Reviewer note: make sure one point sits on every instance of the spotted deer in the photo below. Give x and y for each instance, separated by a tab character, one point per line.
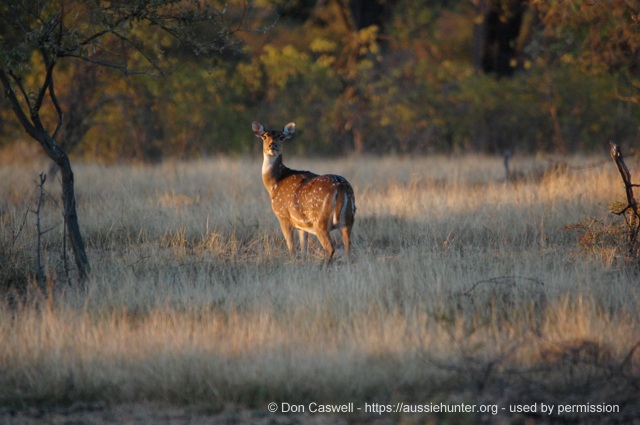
303	200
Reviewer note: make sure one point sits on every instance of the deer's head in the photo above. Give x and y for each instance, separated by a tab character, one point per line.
272	140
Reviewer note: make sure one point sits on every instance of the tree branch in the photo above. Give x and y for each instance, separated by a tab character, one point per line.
41	277
15	104
120	67
139	49
633	221
25	96
49	64
616	154
56	105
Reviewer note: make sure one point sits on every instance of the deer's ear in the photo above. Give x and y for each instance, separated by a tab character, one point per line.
289	129
258	129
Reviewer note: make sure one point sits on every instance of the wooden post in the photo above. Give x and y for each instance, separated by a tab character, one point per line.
507	156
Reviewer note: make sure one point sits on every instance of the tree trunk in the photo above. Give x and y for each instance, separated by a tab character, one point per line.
480	33
33	126
71	219
496	32
70	213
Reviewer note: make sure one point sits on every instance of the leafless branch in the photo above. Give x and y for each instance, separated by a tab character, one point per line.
41	283
94	37
139	49
18	82
49	64
15	103
633	220
120	67
627	359
243	18
56	105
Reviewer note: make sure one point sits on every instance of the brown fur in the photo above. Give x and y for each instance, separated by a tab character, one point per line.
305	201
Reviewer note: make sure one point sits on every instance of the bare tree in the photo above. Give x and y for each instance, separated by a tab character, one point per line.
37	36
631	211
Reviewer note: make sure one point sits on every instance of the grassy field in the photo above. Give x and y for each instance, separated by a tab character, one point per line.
463	289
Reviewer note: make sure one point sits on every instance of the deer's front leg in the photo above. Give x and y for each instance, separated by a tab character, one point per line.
302	236
287	231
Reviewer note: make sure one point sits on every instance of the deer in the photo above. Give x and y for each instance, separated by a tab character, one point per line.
302	200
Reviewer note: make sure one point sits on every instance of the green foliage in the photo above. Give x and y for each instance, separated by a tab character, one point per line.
410	87
492	114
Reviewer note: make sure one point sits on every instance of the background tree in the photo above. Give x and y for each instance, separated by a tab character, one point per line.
596	36
499	35
130	37
411	82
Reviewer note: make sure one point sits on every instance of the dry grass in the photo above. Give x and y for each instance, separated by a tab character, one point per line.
462	289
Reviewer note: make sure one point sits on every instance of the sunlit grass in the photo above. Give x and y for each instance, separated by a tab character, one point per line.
462	287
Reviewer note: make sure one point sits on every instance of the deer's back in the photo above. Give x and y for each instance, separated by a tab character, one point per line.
304	198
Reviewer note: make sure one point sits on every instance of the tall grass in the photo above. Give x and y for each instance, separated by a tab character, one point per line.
462	288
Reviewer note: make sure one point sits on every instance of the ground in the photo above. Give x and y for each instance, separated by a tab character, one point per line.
134	414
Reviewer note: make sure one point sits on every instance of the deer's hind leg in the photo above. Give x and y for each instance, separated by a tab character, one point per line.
327	244
346	240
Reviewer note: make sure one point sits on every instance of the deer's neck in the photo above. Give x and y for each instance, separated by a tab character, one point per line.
273	170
